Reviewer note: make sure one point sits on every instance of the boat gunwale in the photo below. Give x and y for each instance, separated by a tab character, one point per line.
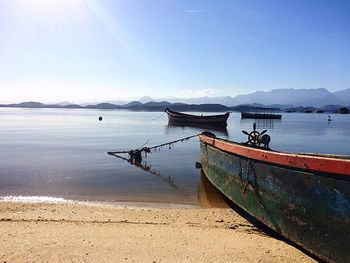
306	162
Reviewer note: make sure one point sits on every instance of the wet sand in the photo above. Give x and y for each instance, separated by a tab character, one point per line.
75	232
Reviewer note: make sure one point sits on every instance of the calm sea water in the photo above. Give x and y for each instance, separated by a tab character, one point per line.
62	152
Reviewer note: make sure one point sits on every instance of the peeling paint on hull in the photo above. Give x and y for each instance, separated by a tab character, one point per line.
308	208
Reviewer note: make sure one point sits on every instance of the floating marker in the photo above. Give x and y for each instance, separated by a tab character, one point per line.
100	118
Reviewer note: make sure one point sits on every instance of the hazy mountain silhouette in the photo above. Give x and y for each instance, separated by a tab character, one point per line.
283	97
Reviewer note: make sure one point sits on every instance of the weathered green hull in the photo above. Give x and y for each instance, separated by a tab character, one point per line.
310	209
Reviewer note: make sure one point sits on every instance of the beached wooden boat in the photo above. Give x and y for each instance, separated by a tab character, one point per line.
179	117
303	197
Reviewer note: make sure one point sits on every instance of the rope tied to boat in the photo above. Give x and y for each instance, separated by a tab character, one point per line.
136	154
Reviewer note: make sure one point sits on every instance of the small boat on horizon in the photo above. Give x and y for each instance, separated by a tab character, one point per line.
303	197
184	118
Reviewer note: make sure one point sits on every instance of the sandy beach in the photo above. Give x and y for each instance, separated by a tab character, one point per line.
75	232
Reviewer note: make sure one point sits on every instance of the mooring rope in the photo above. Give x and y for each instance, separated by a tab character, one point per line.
159	116
137	152
144	144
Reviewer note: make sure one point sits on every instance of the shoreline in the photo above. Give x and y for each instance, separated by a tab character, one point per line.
208	197
67	232
59	200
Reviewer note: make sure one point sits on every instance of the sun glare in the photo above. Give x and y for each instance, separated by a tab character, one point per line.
35	19
44	5
50	10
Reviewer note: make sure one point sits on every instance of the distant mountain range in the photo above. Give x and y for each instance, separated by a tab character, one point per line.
278	97
304	100
134	105
160	106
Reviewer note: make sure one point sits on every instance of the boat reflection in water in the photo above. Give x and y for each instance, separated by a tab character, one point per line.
262	123
219	129
208	195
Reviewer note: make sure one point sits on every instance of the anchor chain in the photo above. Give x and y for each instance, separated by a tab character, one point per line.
136	154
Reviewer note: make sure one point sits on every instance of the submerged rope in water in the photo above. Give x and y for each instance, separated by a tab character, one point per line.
148	168
135	158
137	152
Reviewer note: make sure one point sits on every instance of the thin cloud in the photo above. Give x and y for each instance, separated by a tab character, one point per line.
195	11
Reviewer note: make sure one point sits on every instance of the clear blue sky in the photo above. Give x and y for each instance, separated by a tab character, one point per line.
89	50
